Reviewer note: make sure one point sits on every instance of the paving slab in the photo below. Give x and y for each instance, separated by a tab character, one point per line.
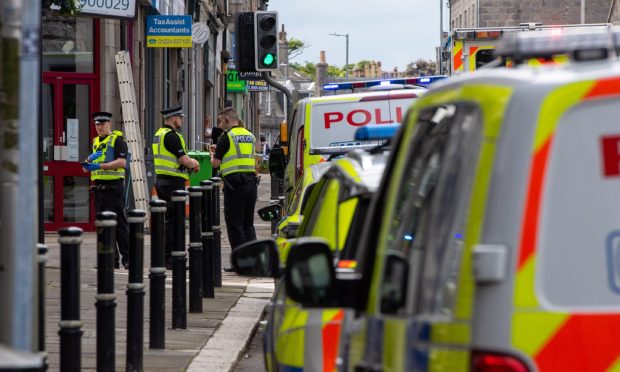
214	339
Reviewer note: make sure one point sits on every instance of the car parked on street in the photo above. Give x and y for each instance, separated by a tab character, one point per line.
492	243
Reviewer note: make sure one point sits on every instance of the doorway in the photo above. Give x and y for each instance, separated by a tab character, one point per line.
67	103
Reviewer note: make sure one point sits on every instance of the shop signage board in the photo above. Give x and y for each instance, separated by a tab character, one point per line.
257	75
166	31
257	85
108	8
233	83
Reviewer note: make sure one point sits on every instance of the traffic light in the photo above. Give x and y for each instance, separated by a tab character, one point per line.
266	40
244	37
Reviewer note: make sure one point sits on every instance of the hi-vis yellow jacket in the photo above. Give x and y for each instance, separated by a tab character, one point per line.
166	162
106	146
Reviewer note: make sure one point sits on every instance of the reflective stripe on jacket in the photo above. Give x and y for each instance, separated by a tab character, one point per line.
166	162
107	148
240	155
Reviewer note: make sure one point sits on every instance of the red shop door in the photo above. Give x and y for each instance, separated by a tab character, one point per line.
67	104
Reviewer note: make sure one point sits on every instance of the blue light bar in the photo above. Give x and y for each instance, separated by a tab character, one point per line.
376	132
421	80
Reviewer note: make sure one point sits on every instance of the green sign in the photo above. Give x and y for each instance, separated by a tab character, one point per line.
233	83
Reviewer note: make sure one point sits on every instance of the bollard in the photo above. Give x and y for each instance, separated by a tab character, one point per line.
157	298
70	325
217	234
207	240
105	222
195	250
42	251
135	291
179	293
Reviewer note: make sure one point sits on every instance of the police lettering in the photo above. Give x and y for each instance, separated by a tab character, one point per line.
243	139
610	146
361	117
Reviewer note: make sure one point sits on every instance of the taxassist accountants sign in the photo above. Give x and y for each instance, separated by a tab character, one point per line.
169	31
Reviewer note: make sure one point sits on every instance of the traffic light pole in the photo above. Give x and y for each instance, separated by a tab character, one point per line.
287	93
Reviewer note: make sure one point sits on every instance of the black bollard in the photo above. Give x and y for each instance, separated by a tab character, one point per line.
70	324
195	250
42	251
135	291
179	291
217	234
157	301
105	222
207	240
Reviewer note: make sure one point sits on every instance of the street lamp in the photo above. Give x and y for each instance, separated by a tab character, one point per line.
583	11
346	66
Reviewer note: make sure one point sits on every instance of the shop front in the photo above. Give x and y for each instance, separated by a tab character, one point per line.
70	93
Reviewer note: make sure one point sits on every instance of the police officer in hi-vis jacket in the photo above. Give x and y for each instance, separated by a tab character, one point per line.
171	166
106	165
234	154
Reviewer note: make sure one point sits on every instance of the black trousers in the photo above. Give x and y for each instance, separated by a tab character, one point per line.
109	196
239	202
164	186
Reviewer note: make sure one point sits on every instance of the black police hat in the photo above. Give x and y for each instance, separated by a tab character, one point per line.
170	112
101	116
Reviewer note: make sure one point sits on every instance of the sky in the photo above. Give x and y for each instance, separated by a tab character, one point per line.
394	32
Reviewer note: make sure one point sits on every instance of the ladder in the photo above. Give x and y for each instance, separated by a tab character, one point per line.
133	135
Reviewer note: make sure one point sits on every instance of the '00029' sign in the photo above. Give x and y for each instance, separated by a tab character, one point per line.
109	8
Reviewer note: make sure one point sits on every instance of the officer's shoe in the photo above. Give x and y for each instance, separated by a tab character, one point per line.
125	263
229	269
117	265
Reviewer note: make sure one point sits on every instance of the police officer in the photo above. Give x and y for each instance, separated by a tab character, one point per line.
106	165
171	166
234	154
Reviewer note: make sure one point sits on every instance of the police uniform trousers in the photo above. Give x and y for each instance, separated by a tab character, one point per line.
109	196
164	186
239	201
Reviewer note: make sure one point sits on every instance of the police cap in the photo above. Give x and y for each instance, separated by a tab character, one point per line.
175	111
101	116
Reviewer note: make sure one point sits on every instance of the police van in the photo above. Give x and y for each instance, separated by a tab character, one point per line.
324	127
494	241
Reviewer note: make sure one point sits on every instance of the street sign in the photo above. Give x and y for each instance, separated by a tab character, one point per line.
233	84
251	75
168	31
257	85
200	33
109	8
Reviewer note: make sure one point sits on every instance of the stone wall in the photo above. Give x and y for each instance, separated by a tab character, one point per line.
497	13
463	13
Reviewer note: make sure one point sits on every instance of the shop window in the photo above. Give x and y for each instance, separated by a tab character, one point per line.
68	44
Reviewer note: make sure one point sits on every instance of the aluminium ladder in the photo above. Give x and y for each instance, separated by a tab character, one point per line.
133	135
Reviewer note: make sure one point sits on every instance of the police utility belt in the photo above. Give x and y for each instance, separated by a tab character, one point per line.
240	178
106	185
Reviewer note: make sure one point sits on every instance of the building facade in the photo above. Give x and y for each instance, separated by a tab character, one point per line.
79	77
499	13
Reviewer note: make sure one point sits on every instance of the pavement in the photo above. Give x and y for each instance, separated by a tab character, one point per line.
214	340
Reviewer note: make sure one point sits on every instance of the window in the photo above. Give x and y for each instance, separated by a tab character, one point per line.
68	44
322	220
427	224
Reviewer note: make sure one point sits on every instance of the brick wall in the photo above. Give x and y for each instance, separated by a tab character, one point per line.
497	13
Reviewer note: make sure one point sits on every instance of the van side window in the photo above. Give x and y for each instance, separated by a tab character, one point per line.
434	183
322	221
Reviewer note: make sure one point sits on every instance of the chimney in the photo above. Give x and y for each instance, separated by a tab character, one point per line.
283	47
282	34
321	73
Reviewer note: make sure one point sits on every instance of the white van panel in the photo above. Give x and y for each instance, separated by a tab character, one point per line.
578	267
335	122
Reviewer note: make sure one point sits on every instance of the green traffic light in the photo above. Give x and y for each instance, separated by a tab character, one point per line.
269	59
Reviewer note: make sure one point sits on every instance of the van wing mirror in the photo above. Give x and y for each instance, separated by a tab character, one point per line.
272	212
310	277
258	258
394	285
277	162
